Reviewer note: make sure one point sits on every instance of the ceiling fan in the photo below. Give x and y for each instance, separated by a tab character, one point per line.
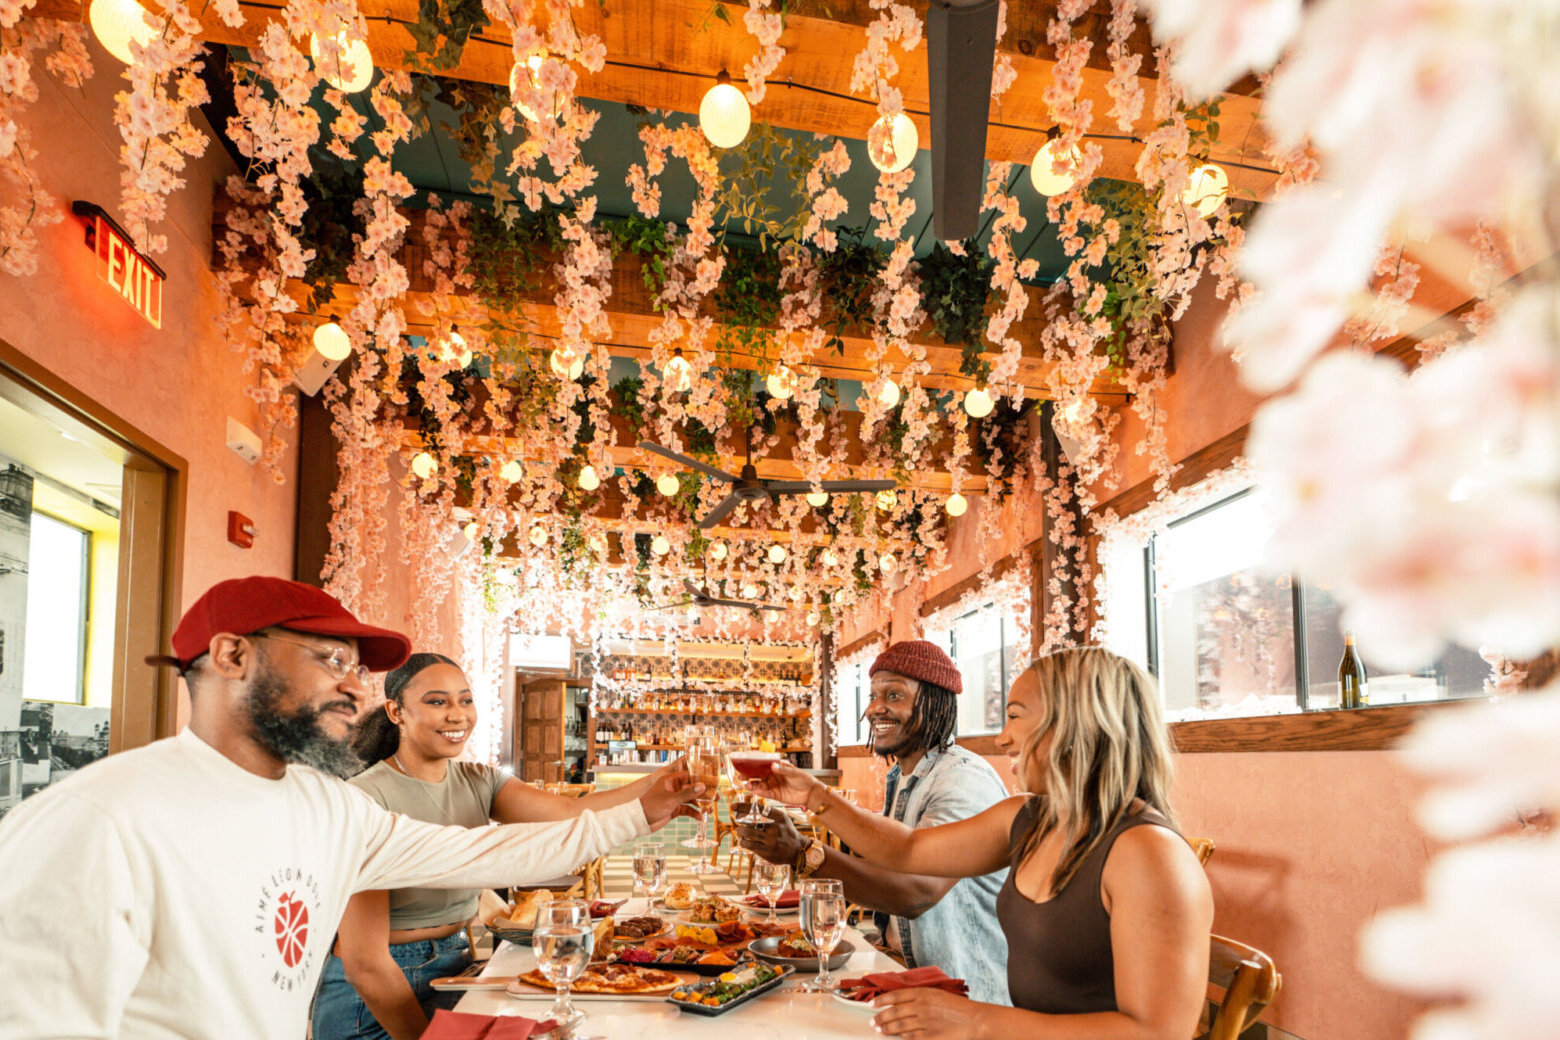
961	44
700	598
750	487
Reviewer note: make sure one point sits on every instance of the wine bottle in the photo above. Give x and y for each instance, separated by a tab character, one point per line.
1353	689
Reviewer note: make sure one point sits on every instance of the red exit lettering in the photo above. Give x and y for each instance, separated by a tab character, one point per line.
128	273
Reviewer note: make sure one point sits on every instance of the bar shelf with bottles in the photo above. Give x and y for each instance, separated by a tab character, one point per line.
652	733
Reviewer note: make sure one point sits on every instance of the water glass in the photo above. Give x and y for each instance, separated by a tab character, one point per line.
770	879
563	941
649	870
823	922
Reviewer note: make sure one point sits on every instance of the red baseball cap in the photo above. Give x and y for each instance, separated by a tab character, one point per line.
245	605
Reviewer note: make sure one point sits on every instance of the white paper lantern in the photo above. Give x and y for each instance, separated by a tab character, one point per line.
724	115
898	146
332	341
978	403
118	22
351	71
1054	170
1208	188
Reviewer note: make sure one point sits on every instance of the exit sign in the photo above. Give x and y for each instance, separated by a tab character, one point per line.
136	279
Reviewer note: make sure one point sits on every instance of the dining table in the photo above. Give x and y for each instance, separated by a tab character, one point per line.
785	1013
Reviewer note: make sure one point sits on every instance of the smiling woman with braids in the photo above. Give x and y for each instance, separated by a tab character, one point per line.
392	944
1105	908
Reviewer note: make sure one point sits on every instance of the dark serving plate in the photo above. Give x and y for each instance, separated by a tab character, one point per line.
765	948
510	932
757	991
665	963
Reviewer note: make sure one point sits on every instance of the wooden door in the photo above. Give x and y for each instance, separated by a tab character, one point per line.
541	730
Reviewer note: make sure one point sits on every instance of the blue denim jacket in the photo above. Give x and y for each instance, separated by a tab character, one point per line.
960	934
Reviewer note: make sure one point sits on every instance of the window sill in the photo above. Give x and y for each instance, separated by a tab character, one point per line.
1363	729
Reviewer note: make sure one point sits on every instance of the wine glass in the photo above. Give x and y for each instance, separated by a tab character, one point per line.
692	735
704	768
564	941
649	870
745	765
823	922
770	879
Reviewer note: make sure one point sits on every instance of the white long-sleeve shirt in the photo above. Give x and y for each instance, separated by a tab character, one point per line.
167	892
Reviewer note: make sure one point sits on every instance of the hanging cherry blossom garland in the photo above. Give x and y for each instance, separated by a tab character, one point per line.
766	26
34	207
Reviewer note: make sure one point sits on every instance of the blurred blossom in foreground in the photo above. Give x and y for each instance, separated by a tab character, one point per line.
1431	501
1488	931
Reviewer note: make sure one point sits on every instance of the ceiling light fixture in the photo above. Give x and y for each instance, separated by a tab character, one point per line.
677	373
424	465
897	144
668	484
724	115
718	551
887	563
817	499
777	554
887	500
118	23
781	383
538	536
660	546
353	67
956	505
978	403
332	341
565	363
1054	170
888	394
589	481
1208	187
512	470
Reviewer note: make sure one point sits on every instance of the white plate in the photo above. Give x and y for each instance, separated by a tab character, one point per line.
760	911
858	1006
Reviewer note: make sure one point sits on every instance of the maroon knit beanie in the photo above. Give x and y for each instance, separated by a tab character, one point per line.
919	659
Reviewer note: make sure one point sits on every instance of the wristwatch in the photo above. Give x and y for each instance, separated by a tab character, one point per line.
810	860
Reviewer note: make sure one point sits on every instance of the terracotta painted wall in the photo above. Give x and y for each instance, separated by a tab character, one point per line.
177	384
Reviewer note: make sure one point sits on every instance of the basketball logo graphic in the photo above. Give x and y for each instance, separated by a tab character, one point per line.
292	929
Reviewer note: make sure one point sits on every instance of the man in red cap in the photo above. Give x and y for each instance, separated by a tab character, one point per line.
927	920
200	879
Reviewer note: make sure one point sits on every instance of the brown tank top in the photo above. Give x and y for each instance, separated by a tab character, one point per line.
1059	952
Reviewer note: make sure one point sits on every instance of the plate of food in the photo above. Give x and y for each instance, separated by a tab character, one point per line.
680	896
786	902
731	989
603	982
635	929
699	958
711	911
795	950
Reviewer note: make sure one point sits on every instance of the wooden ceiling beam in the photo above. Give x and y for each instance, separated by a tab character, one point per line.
664	54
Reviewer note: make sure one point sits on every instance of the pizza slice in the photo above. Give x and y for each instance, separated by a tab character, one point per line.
619	980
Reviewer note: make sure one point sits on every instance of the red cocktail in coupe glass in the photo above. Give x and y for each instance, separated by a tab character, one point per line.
752	765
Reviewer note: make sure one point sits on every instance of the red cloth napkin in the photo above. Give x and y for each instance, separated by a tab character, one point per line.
458	1025
790	897
930	977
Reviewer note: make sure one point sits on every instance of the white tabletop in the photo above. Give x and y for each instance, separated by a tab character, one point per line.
783	1014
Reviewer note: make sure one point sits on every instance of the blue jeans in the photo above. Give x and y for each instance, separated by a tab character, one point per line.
340	1014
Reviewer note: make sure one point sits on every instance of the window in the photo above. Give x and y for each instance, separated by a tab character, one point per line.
59	569
852	690
1193	603
981	643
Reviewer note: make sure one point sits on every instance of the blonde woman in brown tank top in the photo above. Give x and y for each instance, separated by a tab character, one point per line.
1106	910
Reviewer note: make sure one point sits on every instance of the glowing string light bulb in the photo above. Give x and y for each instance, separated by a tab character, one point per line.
589	481
1054	170
660	546
350	70
781	383
724	115
512	471
888	395
887	563
817	499
718	551
777	554
332	341
118	23
956	504
424	465
566	364
898	143
538	536
677	373
668	484
1208	187
978	403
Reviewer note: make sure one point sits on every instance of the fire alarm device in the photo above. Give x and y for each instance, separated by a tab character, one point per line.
241	530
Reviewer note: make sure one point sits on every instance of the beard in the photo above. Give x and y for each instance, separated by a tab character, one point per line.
901	741
296	737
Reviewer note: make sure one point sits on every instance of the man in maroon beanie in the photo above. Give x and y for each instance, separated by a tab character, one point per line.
926	920
203	876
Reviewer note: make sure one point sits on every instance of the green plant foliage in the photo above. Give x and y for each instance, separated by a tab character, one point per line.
748	302
647	240
440	34
955	291
1130	293
764	184
477	131
625	403
847	279
329	225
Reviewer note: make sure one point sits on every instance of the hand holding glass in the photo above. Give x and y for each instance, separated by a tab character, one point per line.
564	941
751	765
823	922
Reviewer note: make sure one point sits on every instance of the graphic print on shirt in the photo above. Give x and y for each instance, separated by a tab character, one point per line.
285	917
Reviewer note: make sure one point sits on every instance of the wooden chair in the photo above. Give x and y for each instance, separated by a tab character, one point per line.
1204	847
1249	982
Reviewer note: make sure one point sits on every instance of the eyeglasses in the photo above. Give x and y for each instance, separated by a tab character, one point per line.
335	660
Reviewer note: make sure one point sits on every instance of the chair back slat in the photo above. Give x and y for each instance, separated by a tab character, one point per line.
1249	981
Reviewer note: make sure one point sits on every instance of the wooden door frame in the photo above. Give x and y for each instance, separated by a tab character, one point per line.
144	706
